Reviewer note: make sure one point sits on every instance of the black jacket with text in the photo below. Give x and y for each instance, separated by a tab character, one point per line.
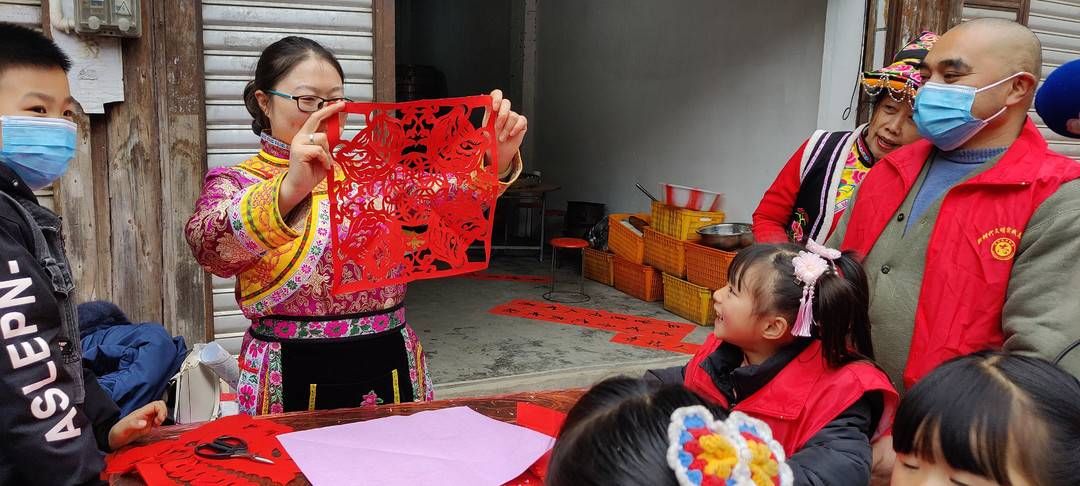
54	417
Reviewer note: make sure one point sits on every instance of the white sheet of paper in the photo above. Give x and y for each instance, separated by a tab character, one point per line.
97	69
447	447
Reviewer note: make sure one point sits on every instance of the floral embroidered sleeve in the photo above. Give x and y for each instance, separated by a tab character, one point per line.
516	166
236	221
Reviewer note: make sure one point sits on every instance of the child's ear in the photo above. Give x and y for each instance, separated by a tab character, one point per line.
776	327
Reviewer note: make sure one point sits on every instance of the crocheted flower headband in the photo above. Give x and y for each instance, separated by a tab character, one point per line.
739	451
809	267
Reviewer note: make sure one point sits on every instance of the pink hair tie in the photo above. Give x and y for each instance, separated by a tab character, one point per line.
809	267
823	251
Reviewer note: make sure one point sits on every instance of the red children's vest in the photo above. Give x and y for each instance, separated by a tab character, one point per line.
804	397
972	245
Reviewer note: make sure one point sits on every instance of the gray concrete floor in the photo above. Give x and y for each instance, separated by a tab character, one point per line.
473	352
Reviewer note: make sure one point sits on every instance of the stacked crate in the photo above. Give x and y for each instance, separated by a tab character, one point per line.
599	266
631	275
670	247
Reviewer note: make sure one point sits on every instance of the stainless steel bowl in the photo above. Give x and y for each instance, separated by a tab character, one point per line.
727	236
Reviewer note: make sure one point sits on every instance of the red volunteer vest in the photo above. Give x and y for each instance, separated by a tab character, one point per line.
972	245
804	397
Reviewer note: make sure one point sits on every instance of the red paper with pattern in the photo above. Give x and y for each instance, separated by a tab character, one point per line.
173	462
642	332
411	192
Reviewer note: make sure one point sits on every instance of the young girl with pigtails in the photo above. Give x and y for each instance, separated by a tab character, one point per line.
791	347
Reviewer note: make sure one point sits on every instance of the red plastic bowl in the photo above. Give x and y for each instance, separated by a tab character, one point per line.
691	198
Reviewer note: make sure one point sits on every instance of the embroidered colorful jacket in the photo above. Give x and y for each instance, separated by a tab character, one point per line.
804	397
815	187
281	261
283	270
970	256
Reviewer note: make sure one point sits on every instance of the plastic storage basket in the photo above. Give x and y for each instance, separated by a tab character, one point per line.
599	266
639	281
682	223
706	266
689	301
665	253
626	242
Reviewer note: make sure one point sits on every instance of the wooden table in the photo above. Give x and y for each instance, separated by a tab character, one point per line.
502	408
538	194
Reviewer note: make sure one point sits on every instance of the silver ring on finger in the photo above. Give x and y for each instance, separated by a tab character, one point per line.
311	138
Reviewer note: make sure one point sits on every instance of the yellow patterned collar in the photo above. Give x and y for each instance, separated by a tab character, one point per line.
272	160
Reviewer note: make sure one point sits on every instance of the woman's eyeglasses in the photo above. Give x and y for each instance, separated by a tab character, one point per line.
308	103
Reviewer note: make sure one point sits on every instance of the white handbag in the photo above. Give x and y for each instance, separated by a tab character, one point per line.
197	391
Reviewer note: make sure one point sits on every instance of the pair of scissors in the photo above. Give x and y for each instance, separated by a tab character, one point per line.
226	447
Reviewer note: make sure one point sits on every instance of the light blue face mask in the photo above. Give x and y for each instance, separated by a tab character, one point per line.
943	113
37	149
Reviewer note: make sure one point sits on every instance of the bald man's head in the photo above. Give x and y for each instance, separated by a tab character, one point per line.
1002	60
1016	47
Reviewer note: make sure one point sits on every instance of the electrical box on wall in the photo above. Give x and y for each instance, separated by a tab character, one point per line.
119	18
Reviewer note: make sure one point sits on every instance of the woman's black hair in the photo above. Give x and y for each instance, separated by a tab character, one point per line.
988	411
841	297
275	62
617	435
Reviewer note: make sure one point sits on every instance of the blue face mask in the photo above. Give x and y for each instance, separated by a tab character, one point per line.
37	149
943	113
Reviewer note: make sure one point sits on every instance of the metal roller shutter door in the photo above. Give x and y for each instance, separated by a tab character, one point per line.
1057	23
234	33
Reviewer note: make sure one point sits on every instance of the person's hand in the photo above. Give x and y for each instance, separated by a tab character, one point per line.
137	424
883	462
1073	125
510	128
309	159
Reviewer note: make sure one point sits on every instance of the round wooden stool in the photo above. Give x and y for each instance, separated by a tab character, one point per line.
566	296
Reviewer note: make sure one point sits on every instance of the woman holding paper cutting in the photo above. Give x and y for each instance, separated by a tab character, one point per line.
266	221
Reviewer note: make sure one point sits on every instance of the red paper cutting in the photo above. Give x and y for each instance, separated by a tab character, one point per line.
412	192
643	332
173	462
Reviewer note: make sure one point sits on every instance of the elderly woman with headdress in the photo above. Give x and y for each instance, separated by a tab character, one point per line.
816	185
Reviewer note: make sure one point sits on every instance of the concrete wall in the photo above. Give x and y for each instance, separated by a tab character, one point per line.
714	94
841	63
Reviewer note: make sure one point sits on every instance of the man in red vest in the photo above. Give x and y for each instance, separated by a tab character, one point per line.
971	236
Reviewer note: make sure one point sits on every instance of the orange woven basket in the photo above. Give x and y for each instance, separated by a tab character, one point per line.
706	266
638	281
665	253
598	266
682	223
689	301
626	242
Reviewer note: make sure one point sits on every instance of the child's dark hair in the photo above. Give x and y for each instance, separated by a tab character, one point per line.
275	62
841	297
617	435
26	47
991	410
